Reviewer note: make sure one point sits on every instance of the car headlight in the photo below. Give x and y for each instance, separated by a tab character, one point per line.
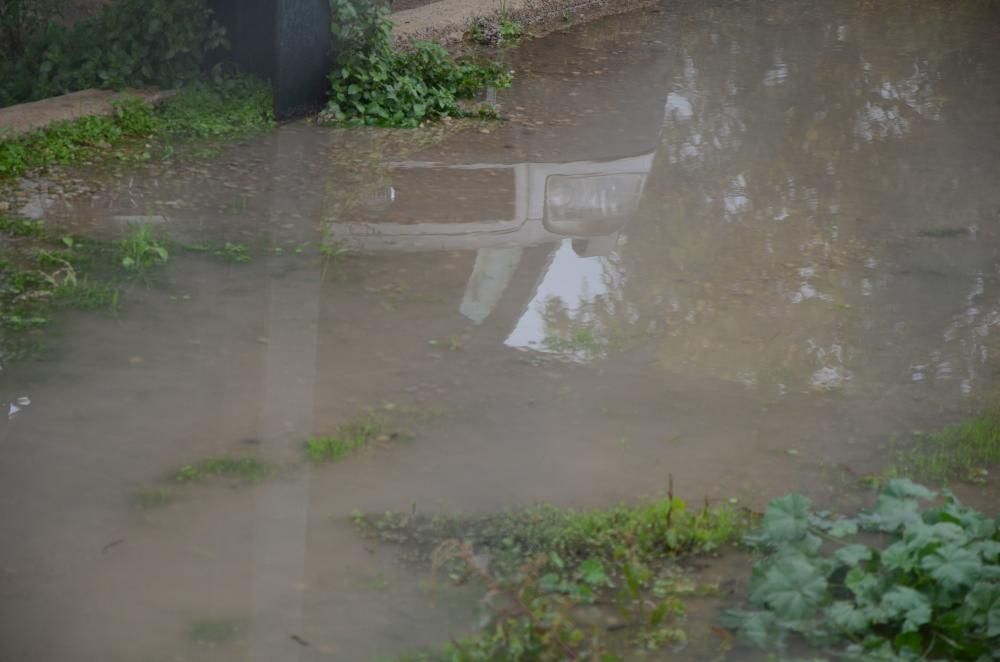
591	205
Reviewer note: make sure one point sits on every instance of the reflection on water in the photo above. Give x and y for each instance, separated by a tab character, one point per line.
748	227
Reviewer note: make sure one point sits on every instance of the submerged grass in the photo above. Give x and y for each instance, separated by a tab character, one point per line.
345	441
214	631
246	468
151	498
961	452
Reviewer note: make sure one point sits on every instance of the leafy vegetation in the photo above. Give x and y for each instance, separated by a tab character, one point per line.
543	568
141	250
498	30
963	452
246	468
344	441
932	592
23	20
129	43
230	106
375	83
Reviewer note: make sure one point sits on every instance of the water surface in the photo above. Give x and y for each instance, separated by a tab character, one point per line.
742	244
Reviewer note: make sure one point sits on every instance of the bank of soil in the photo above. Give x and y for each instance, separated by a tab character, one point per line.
447	21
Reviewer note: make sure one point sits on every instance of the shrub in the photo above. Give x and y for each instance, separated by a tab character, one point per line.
374	83
130	43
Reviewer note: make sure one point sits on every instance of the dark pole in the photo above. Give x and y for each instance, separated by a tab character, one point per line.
284	41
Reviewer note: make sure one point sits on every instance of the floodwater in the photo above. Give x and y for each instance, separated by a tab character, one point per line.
741	244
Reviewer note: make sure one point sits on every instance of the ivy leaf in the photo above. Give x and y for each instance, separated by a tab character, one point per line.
893	512
787	518
953	567
867	588
592	572
989	550
904	488
982	607
792	587
898	556
851	555
760	628
847	617
846	527
903	602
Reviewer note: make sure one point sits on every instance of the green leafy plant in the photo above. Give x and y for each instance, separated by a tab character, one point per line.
21	21
236	253
228	106
129	43
932	592
141	250
374	83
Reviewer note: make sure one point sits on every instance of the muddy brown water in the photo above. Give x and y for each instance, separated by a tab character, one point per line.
742	244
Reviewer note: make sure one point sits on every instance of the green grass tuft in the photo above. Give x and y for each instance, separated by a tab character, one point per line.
961	451
248	469
227	108
344	441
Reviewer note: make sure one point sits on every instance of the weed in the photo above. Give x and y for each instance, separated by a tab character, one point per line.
152	498
544	564
930	593
86	295
140	250
236	253
374	83
344	441
214	631
496	31
231	106
19	227
248	469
